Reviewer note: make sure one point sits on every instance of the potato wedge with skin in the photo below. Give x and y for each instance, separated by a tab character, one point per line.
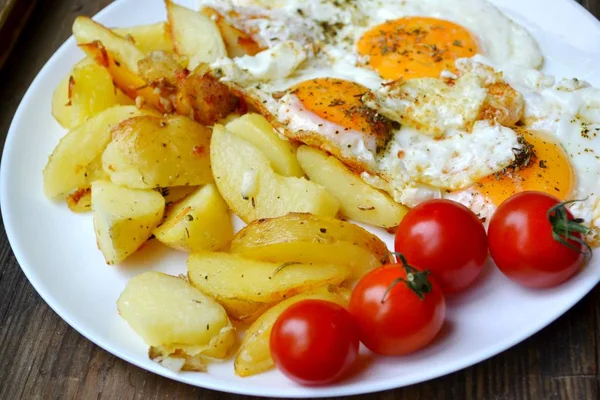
254	354
246	288
309	238
199	222
148	38
182	325
253	190
194	35
150	152
358	200
74	162
257	130
124	218
237	43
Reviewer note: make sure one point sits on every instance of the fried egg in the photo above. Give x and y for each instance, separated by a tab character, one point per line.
561	124
324	55
426	99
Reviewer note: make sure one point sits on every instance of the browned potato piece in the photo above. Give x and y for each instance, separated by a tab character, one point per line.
203	98
80	201
197	95
237	42
194	35
310	238
254	354
246	288
87	30
120	56
150	152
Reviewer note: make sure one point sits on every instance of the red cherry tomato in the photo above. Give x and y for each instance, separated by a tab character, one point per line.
522	244
314	342
445	238
399	320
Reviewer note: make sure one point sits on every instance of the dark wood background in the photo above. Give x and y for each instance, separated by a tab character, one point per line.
41	357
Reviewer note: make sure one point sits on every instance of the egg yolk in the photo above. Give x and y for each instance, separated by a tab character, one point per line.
416	47
548	170
339	101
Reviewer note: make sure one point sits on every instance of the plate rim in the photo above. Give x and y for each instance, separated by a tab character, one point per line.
382	385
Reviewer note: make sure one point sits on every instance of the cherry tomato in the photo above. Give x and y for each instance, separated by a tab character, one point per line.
522	243
314	342
445	238
397	311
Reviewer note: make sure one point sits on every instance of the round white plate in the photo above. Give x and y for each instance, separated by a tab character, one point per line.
57	249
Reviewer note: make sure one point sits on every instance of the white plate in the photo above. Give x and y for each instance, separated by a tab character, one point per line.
57	249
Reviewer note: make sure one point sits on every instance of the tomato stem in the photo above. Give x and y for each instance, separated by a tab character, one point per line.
415	280
563	229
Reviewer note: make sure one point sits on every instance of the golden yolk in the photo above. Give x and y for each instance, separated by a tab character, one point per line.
549	171
416	47
339	101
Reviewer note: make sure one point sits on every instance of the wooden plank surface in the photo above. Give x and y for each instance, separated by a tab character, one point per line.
41	357
14	14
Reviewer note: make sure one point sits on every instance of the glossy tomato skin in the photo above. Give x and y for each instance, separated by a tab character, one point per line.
522	246
403	323
314	342
445	238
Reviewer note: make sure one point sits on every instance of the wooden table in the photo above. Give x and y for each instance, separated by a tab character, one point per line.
42	357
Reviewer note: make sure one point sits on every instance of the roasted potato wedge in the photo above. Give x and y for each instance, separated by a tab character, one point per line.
253	190
148	38
194	35
246	288
124	218
150	152
200	222
92	91
254	354
182	325
257	130
358	200
74	164
84	92
237	43
61	99
120	57
309	238
87	30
